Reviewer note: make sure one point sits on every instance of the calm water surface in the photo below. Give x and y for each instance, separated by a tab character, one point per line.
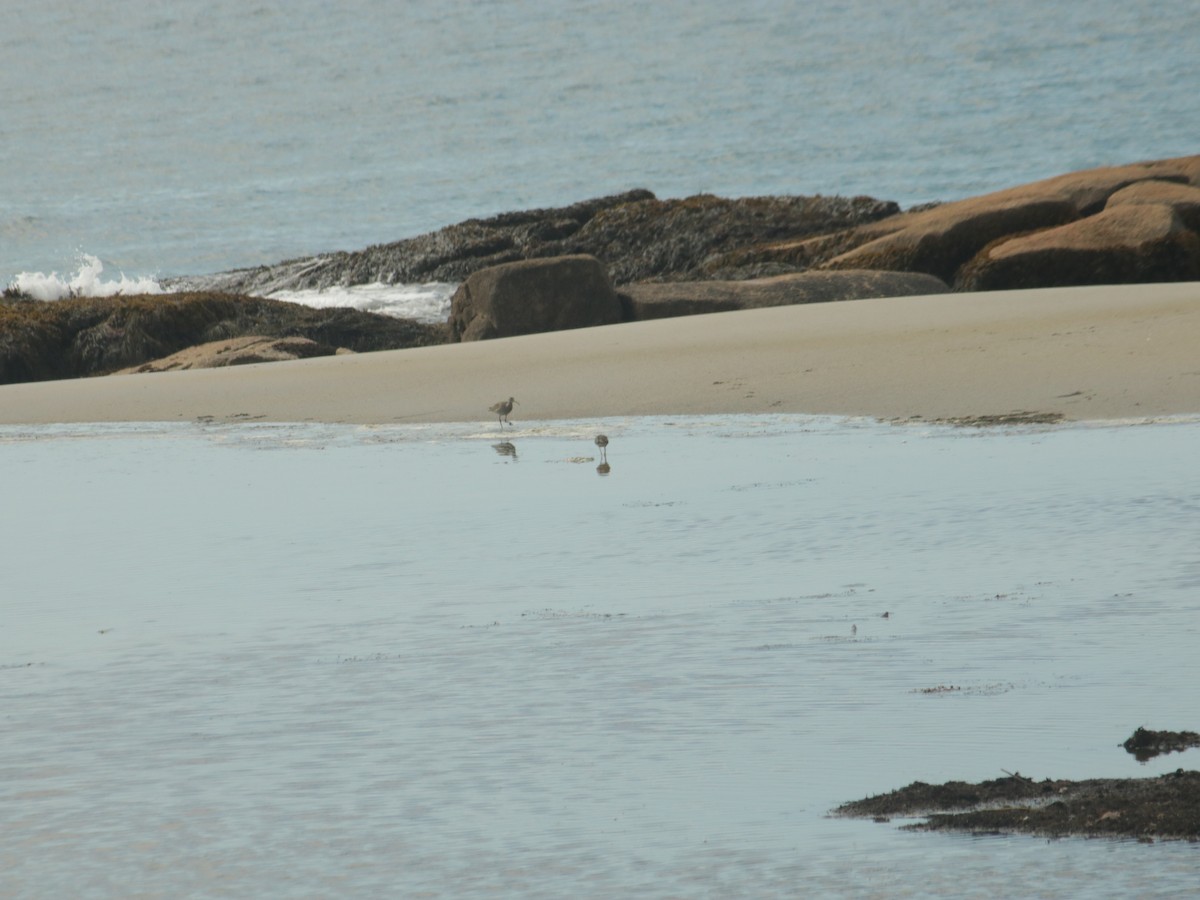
172	138
330	661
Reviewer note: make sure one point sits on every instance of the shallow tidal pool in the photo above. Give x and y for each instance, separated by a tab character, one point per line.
303	660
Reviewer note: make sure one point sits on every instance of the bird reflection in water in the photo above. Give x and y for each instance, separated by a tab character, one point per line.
602	442
506	448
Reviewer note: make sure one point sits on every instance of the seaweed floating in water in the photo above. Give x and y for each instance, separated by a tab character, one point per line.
1146	744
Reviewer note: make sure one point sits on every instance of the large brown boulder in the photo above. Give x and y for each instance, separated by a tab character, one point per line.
1182	198
944	238
1089	189
652	300
938	241
1126	244
532	296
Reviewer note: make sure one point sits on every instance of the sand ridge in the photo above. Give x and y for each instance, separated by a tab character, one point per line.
1110	352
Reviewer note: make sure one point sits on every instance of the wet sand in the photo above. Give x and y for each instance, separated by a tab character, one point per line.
1111	352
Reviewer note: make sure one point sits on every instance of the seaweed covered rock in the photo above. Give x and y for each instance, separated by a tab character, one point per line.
1145	743
448	255
690	239
90	336
636	235
1162	808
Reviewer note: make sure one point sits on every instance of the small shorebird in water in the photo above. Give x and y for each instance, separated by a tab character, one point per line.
602	443
502	409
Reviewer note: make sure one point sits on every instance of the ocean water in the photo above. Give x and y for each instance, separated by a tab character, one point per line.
303	660
325	661
171	138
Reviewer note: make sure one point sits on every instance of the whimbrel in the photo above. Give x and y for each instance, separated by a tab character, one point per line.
602	443
502	409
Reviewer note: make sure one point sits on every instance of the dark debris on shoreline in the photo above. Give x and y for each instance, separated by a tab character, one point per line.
1166	807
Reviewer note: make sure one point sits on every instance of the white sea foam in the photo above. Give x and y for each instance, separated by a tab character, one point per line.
86	282
423	302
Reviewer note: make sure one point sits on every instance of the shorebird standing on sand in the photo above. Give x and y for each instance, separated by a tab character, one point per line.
602	443
502	409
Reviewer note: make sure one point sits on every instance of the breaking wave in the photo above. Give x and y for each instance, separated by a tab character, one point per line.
423	302
88	281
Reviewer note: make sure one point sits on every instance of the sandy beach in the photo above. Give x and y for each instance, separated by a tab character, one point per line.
1081	353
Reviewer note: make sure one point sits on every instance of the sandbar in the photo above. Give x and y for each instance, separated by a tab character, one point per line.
1079	353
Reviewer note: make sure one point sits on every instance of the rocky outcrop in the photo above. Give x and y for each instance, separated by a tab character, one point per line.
532	296
636	235
90	336
945	239
239	351
939	241
641	238
549	269
650	300
449	255
1120	224
1130	243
